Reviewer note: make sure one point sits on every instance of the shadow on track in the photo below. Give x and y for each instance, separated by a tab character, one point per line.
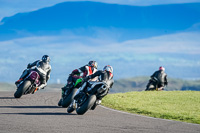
42	107
7	98
44	113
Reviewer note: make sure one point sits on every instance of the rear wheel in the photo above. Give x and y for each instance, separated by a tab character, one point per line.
68	99
22	88
86	105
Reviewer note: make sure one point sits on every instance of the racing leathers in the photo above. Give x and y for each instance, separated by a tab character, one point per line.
43	69
78	73
161	76
103	76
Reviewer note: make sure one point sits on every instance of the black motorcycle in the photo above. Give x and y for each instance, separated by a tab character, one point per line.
153	85
69	95
88	96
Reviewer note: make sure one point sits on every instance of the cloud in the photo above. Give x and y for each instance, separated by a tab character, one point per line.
185	43
68	52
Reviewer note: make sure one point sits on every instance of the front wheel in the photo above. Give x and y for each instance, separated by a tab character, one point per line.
69	98
150	88
70	109
60	102
86	105
22	88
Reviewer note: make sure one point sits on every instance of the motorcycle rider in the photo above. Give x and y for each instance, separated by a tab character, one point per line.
161	76
43	68
105	76
81	72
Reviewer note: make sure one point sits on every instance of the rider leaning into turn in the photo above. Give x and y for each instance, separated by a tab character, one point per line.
43	68
82	72
161	76
105	76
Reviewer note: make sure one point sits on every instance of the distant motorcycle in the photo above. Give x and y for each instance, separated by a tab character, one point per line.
29	85
88	97
153	85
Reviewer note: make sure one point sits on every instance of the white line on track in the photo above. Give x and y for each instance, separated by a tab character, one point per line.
143	115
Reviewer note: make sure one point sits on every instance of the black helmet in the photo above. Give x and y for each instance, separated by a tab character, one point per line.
45	58
93	64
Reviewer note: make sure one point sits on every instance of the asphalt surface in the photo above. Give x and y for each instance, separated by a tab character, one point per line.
39	113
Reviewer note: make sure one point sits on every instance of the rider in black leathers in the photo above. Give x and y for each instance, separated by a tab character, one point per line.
161	76
105	76
43	68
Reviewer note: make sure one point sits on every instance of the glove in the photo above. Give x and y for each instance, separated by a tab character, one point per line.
86	79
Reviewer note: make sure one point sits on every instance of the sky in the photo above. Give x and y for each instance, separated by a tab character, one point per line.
12	7
143	56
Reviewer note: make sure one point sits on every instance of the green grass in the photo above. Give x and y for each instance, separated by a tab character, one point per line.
173	105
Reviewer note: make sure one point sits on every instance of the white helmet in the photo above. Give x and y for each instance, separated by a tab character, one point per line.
161	68
108	68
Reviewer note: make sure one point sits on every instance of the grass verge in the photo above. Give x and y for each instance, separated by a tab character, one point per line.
174	105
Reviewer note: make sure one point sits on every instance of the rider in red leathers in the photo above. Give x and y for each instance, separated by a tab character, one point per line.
82	72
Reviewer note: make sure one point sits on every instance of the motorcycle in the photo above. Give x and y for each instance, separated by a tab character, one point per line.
69	95
153	85
88	96
28	85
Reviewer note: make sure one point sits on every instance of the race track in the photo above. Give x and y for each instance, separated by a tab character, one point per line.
40	113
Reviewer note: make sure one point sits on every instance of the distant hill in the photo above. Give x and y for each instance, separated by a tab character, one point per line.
126	85
131	21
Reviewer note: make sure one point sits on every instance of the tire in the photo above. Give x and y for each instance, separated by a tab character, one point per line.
150	87
60	102
68	99
70	109
87	105
22	88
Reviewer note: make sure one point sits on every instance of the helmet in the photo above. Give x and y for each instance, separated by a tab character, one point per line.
108	68
45	58
161	68
93	64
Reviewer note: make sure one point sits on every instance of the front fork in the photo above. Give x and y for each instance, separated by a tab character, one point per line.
73	104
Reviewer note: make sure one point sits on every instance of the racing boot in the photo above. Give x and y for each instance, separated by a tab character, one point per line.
98	102
63	91
18	81
65	88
